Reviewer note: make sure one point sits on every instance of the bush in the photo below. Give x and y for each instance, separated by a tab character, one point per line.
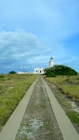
12	72
1	76
60	70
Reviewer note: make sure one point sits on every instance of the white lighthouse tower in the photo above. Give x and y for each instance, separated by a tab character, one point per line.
51	62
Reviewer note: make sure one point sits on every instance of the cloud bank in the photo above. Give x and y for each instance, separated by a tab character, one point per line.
20	49
33	31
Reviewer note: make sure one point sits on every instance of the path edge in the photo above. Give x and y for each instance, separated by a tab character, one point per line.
67	129
10	129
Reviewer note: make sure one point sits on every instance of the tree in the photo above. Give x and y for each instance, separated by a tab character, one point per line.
12	72
59	70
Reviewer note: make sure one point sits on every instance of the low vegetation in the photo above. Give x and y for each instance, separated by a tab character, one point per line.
74	117
12	89
12	72
66	78
59	70
68	84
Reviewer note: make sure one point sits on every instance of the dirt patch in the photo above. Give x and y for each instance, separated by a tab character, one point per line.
69	105
39	122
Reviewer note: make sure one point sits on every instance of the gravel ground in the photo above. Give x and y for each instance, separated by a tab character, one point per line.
39	122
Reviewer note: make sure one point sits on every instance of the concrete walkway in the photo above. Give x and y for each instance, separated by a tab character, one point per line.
11	128
67	129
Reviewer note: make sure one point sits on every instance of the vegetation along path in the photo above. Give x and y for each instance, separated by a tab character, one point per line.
44	119
39	122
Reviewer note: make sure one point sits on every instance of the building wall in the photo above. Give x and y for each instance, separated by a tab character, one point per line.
39	70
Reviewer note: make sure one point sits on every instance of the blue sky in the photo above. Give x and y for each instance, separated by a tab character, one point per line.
31	31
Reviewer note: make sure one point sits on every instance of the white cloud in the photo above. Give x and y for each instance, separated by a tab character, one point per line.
49	25
22	47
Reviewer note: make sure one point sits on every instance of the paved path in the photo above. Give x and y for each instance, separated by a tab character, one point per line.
11	128
68	131
39	122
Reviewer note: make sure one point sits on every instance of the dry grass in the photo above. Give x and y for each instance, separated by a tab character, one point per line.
68	84
12	89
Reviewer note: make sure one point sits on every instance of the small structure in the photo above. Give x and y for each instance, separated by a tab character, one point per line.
20	72
39	71
51	62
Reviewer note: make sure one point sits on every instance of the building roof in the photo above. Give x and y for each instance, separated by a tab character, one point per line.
51	58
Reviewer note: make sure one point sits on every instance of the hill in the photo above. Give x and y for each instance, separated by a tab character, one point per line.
59	70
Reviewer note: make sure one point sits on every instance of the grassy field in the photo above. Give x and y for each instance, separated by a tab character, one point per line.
12	89
68	84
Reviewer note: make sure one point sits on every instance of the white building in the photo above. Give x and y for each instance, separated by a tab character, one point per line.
20	72
41	70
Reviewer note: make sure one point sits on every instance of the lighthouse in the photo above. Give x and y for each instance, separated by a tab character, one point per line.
51	62
41	70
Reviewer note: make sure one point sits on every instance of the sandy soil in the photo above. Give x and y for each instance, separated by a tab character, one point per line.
39	122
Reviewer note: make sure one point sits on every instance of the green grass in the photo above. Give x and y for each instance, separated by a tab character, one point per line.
73	116
63	104
68	84
12	90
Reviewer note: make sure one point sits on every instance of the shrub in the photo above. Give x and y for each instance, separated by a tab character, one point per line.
60	70
12	72
1	76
